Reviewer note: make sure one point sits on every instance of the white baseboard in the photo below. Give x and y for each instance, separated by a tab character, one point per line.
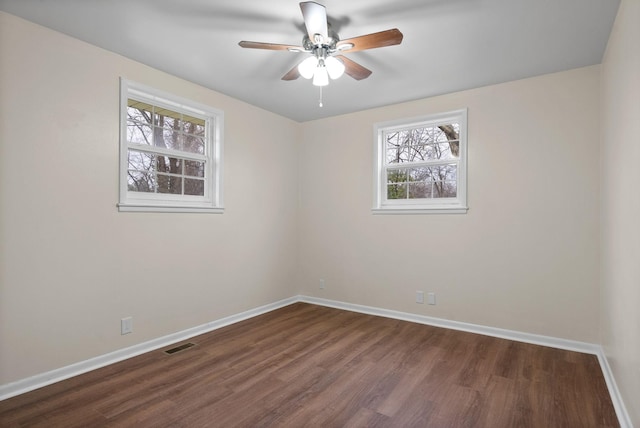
614	392
44	379
29	384
536	339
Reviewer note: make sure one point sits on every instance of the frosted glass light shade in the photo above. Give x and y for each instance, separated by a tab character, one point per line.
307	67
335	67
320	76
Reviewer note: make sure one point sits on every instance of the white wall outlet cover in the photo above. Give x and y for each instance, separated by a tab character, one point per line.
126	325
432	298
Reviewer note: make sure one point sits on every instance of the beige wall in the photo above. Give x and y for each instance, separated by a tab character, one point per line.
621	205
71	265
525	257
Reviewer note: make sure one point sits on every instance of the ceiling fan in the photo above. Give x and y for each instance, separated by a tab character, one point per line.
325	48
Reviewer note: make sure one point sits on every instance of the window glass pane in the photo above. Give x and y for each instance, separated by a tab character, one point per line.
166	164
397	150
193	144
140	181
139	111
397	155
170	139
194	168
444	172
138	133
141	161
420	152
193	187
419	190
171	124
448	138
419	174
169	184
396	175
396	191
193	126
444	189
167	118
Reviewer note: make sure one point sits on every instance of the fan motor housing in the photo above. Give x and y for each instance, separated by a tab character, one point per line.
329	43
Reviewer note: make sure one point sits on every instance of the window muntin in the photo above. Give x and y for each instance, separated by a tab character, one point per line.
421	164
170	153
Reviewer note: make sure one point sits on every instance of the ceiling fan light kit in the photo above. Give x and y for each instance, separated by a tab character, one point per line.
320	76
335	67
324	44
320	68
307	67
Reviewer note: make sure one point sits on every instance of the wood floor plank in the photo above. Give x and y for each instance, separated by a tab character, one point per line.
367	418
409	385
306	365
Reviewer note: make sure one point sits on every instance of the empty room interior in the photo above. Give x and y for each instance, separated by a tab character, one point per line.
436	224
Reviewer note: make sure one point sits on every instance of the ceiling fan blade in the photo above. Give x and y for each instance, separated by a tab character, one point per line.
354	69
370	41
315	19
292	74
270	46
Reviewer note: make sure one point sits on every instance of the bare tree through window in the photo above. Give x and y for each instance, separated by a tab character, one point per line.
161	136
422	162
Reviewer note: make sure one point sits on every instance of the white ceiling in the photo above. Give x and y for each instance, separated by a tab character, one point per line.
449	45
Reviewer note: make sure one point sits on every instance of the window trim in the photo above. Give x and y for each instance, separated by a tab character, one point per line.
212	202
381	205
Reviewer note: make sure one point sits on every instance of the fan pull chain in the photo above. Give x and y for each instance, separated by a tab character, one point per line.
320	102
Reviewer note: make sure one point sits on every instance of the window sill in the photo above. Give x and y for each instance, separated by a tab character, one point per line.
168	209
420	210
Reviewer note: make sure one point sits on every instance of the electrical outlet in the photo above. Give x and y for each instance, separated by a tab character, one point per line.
322	284
432	298
126	325
419	296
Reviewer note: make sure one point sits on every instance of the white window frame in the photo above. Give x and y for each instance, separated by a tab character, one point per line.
212	201
382	205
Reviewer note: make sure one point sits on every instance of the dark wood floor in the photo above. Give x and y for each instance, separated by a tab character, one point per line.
308	366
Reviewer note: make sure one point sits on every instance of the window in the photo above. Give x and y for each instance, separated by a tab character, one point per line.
421	165
170	153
